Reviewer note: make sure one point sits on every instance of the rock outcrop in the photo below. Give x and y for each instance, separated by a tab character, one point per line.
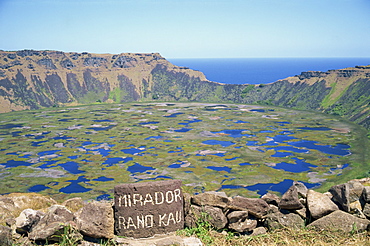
32	79
96	220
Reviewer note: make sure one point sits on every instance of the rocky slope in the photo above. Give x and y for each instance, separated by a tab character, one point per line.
32	79
27	218
344	92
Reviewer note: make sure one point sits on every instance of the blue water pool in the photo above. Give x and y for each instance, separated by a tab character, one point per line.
245	164
282	123
175	165
104	197
38	188
282	154
258	110
298	167
13	163
48	152
71	167
10	126
65	120
106	120
137	168
218	142
75	187
184	129
103	179
154	137
226	169
132	151
234	133
12	153
148	122
339	149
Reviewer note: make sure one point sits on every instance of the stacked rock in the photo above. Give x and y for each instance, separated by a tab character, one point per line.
344	207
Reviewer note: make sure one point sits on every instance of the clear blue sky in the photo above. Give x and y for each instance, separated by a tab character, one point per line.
190	28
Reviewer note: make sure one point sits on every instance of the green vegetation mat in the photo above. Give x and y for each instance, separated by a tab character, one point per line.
240	149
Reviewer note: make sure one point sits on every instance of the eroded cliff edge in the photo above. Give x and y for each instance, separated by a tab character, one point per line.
32	79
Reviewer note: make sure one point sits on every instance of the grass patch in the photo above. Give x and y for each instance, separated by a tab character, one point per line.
286	236
202	230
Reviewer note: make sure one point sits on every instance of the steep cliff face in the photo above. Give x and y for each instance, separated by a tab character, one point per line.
344	92
32	79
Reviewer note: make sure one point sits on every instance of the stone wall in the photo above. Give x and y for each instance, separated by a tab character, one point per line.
344	207
30	218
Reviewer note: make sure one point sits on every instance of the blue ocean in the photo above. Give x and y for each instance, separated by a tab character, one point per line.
263	70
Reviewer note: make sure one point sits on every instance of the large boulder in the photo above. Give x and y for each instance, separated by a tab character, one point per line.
345	194
255	206
278	220
319	204
355	190
339	220
52	225
237	216
11	205
271	198
96	220
290	199
213	215
238	221
301	189
366	194
215	199
244	226
366	210
27	219
341	196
